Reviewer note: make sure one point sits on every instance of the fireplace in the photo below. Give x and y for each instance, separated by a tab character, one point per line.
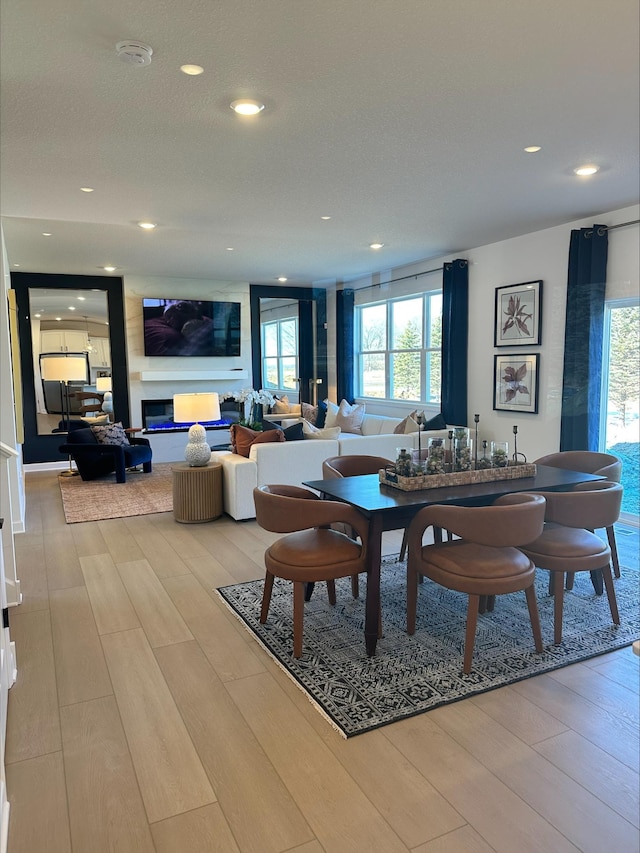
157	416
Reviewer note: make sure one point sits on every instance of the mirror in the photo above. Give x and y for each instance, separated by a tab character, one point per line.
64	324
279	324
48	294
309	307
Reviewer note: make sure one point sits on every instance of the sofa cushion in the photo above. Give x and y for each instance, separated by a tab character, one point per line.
310	413
281	406
294	432
436	422
110	434
310	431
243	438
349	418
332	414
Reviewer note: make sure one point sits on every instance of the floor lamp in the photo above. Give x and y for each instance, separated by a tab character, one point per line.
65	369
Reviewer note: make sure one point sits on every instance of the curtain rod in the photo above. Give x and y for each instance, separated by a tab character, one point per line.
402	278
604	228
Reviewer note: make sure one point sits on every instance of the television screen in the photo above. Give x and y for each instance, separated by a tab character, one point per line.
189	327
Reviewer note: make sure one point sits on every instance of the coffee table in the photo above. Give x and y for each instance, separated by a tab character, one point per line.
387	508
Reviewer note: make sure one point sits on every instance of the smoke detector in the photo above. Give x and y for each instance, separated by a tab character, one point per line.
134	52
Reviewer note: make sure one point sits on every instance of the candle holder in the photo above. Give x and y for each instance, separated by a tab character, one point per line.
476	420
516	456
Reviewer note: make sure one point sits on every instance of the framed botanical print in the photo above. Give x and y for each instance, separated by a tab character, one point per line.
518	315
515	382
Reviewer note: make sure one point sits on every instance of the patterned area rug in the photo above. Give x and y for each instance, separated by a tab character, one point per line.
96	500
410	675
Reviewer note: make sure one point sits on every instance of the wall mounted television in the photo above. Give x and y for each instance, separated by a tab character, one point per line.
181	327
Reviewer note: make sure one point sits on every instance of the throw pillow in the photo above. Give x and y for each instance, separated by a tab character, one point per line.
407	425
281	406
322	414
243	438
332	414
309	413
111	434
349	418
291	433
310	431
437	422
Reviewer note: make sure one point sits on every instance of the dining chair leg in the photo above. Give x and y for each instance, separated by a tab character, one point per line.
403	547
298	617
412	597
355	586
611	537
470	633
534	616
331	591
558	602
266	597
611	594
570	579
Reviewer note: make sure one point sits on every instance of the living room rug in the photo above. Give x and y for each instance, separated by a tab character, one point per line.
411	675
96	500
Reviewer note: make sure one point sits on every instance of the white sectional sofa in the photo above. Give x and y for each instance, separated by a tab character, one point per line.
292	462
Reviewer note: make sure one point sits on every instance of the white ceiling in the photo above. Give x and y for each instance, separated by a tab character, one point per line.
405	120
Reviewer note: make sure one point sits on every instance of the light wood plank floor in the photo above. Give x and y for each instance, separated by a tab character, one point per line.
145	718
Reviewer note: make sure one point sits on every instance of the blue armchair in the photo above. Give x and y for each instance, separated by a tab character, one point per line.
95	460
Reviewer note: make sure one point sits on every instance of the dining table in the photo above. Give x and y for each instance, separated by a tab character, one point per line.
390	508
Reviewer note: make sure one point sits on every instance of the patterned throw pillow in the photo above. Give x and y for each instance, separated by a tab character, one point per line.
349	418
243	438
407	425
309	413
111	434
310	431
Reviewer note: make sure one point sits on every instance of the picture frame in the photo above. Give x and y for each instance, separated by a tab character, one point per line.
518	315
515	382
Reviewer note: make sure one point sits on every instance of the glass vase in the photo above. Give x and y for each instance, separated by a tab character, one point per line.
435	463
499	454
462	449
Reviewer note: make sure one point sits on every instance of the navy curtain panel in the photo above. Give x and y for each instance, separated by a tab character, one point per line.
583	340
345	301
306	361
455	329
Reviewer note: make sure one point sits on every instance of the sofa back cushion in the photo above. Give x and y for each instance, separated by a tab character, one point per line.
243	438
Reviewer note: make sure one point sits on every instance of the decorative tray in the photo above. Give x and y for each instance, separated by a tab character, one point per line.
458	478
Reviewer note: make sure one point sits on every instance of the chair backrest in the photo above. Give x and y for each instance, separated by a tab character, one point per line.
586	461
511	521
286	509
587	506
353	465
81	436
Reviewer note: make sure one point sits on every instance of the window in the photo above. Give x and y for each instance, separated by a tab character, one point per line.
619	425
280	354
398	348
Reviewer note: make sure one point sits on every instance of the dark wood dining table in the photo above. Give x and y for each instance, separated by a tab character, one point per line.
388	508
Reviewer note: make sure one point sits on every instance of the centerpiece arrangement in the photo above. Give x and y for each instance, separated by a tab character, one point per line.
452	462
253	401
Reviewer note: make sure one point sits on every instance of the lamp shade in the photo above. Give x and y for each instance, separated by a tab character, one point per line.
194	408
103	383
72	368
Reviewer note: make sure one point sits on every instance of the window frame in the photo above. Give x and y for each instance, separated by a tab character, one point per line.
388	352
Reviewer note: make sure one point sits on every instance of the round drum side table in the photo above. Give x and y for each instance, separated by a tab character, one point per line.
197	492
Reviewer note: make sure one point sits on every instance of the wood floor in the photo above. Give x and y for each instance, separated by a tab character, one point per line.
145	718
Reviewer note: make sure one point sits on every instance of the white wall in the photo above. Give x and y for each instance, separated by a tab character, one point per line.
541	255
170	447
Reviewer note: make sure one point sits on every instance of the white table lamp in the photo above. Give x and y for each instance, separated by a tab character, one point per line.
191	409
103	385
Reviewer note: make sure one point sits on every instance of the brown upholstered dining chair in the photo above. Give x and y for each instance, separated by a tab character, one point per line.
589	462
567	543
312	551
353	466
485	561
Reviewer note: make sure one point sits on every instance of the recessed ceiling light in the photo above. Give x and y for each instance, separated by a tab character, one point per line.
36	315
86	189
531	149
325	218
247	107
16	265
229	248
109	269
58	319
282	278
583	171
376	245
72	307
192	70
82	298
148	226
46	233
